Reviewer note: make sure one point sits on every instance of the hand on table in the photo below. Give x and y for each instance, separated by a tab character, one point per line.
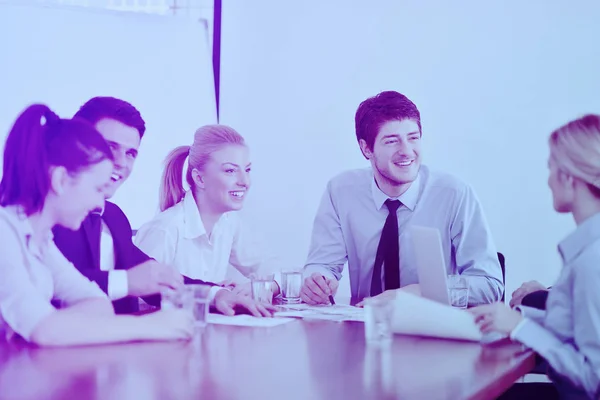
242	289
150	277
317	289
227	283
496	317
226	302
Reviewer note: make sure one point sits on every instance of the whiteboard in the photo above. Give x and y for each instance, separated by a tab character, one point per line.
63	56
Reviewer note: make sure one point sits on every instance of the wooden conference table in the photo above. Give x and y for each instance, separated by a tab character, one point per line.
302	359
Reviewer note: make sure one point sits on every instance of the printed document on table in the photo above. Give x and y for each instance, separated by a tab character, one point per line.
337	312
415	315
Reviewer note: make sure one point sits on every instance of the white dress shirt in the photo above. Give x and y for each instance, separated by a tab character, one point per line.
351	216
32	275
117	279
567	333
177	237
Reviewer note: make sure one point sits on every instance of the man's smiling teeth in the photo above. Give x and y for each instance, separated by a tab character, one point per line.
237	194
115	177
404	163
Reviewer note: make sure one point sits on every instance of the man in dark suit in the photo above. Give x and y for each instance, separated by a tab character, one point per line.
102	249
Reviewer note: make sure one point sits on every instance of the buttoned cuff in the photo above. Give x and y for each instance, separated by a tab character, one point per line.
532	313
515	332
117	284
534	336
308	271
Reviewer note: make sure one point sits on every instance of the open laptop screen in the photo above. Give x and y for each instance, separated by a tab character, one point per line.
431	267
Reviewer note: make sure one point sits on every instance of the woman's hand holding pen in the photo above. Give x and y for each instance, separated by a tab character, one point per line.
317	289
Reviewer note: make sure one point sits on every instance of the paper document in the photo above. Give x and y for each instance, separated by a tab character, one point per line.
337	312
416	315
246	320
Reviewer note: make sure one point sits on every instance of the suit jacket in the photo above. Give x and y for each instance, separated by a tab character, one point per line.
78	247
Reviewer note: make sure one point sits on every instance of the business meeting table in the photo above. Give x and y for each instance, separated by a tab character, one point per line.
302	359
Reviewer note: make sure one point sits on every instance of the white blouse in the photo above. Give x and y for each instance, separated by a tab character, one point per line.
33	275
177	237
567	333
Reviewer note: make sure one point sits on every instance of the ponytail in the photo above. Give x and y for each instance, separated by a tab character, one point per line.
25	169
38	140
171	185
207	139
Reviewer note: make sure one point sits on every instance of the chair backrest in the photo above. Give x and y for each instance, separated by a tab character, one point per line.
502	261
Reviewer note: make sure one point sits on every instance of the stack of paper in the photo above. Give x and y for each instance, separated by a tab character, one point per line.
415	315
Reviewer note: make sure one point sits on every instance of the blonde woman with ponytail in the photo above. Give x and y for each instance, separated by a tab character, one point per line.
567	333
198	231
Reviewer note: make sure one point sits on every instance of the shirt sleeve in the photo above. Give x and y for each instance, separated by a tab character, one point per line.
158	243
118	286
22	305
70	286
327	252
576	360
476	256
531	313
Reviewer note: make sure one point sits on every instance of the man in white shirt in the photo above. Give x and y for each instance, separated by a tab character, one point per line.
365	214
102	249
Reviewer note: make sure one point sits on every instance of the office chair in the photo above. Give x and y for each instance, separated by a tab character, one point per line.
502	261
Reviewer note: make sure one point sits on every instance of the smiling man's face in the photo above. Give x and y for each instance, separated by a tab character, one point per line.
395	156
124	142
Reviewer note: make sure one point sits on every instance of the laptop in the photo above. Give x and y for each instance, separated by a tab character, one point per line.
432	272
431	267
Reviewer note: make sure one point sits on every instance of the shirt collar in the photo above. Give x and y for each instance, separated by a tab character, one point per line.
586	233
99	211
408	198
193	226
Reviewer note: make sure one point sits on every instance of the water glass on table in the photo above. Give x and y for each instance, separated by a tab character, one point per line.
458	291
291	283
201	303
262	287
193	298
181	298
378	320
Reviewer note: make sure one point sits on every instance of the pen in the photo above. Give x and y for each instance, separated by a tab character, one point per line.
330	296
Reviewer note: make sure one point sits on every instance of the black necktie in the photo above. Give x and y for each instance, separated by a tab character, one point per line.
94	229
388	252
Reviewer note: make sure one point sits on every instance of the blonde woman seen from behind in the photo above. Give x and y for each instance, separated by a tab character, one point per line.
567	333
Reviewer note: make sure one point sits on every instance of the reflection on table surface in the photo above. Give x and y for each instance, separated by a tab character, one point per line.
298	360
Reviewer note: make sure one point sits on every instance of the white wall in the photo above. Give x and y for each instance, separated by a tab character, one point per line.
491	79
63	56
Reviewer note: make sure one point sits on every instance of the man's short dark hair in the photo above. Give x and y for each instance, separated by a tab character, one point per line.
99	108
